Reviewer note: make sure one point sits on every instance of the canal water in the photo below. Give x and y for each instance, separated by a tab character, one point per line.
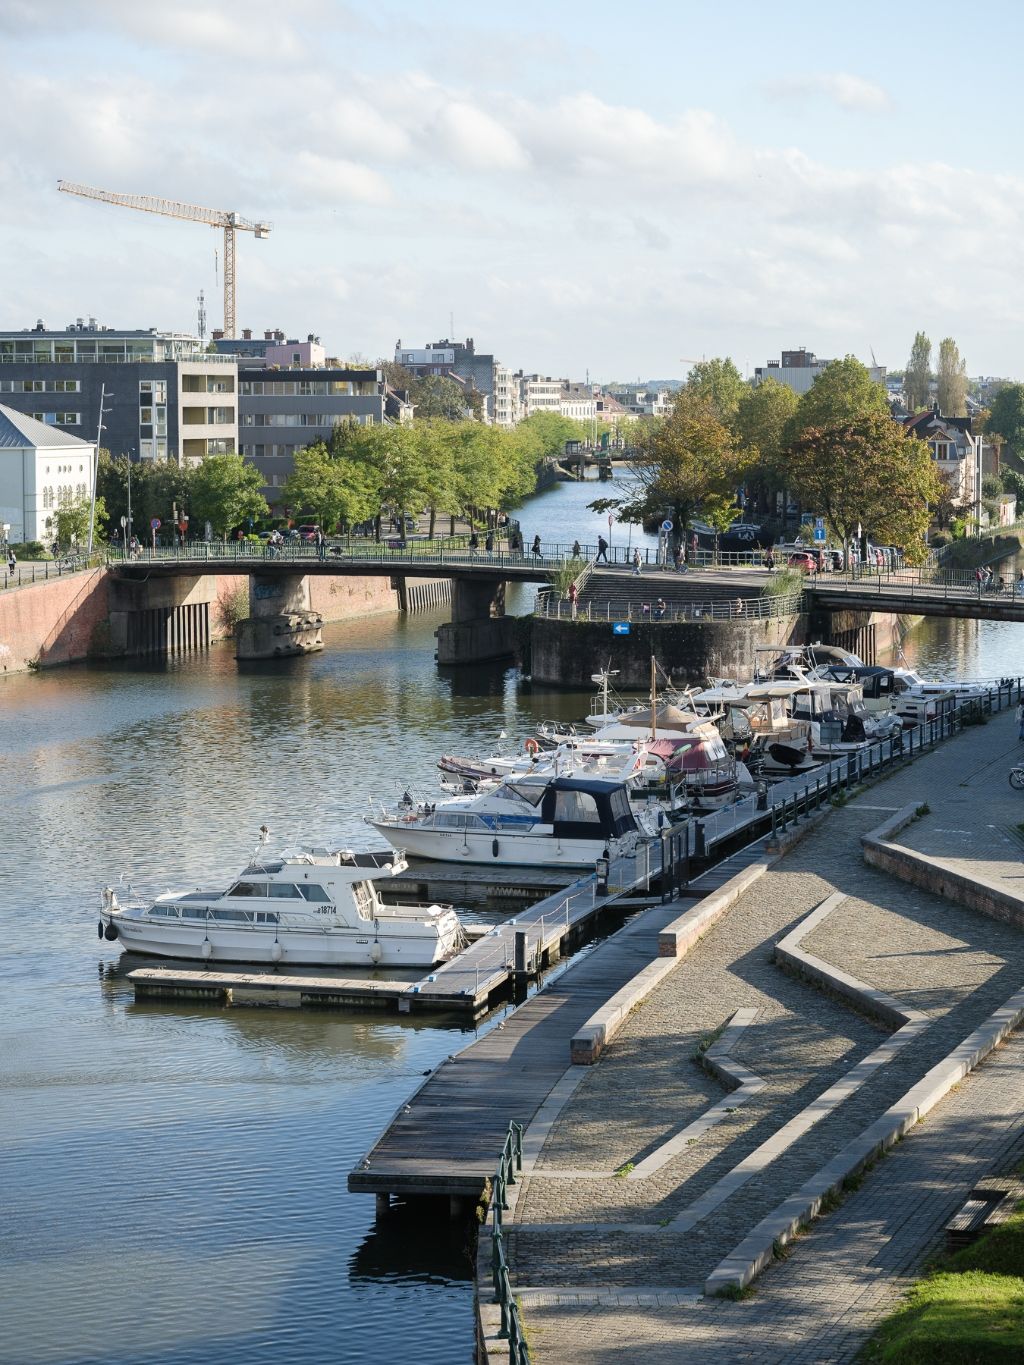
174	1174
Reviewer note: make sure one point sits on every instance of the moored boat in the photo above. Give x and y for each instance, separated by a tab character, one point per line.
313	907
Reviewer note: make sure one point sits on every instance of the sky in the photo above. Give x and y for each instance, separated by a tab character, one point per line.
583	188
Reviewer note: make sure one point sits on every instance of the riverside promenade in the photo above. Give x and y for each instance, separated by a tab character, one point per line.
660	1176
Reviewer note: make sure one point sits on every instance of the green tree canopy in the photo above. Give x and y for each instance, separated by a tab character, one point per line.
679	463
333	490
226	492
1006	416
436	395
70	521
844	392
952	388
762	420
918	376
720	382
867	473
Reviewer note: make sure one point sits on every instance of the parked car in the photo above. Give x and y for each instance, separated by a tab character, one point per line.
804	561
306	532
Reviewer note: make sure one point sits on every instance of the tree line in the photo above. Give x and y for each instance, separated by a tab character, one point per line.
447	467
835	448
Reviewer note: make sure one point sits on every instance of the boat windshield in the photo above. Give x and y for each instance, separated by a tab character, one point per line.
512	791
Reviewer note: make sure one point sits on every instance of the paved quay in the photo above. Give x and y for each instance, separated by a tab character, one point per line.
653	1232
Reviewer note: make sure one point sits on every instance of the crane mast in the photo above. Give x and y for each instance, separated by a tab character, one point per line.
194	213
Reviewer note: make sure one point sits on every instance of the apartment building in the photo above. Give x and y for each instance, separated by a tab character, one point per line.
506	408
458	360
539	393
283	410
800	368
163	397
578	401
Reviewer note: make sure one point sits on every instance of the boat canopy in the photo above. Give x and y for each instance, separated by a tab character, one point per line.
582	808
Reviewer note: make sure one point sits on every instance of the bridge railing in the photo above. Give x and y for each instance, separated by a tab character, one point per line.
510	1164
420	554
924	583
40	570
553	608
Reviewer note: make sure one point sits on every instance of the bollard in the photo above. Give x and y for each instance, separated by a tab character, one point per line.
699	845
520	952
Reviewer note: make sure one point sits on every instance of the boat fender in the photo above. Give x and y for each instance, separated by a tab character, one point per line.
532	747
110	932
99	928
277	952
206	949
376	951
494	848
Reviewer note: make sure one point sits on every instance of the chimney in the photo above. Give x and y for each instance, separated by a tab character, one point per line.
92	324
311	337
268	335
247	334
279	337
80	324
217	334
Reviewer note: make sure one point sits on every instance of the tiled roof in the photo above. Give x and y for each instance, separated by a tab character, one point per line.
18	430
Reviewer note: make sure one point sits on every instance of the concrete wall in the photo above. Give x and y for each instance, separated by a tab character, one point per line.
566	653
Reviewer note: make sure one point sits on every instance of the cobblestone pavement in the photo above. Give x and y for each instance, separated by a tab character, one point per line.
821	1303
953	964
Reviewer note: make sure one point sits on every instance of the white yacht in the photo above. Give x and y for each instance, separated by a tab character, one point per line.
313	907
531	819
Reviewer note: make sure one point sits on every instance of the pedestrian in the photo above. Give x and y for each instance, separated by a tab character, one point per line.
535	548
1019	585
660	607
474	543
694	546
489	543
573	595
12	562
576	551
636	563
679	557
1020	719
769	559
602	549
979	577
321	543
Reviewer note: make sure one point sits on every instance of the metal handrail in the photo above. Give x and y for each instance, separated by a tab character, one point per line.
42	570
510	1163
761	608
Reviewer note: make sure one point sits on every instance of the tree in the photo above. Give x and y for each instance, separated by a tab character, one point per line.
868	474
1006	418
226	492
946	506
70	521
720	382
952	380
843	392
679	462
396	375
436	395
332	490
543	434
761	421
918	377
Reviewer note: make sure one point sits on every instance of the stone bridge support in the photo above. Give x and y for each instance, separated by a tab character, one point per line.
160	615
281	622
479	629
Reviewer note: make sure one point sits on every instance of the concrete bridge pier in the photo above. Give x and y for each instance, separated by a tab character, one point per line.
281	622
479	629
158	616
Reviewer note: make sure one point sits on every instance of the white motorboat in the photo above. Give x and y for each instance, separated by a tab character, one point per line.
313	907
532	819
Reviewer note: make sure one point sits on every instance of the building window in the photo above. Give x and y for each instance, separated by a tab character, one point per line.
69	419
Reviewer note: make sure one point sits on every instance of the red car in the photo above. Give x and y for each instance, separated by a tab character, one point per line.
307	532
804	561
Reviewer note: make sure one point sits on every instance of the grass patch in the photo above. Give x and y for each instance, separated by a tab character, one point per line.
923	809
969	1311
734	1292
624	1170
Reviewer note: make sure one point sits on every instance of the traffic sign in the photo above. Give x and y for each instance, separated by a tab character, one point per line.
819	534
124	522
610	520
155	524
666	525
620	628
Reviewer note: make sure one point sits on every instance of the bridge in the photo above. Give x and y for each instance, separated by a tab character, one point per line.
280	618
911	593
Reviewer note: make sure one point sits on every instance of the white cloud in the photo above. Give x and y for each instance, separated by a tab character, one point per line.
337	179
472	139
846	91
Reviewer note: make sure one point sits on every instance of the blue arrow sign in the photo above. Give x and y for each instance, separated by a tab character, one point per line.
620	628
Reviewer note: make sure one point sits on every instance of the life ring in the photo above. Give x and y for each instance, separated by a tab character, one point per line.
532	747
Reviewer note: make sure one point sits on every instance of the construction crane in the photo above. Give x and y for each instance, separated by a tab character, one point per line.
170	208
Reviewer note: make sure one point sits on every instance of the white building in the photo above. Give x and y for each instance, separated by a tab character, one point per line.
41	468
647	402
799	369
505	401
578	401
539	393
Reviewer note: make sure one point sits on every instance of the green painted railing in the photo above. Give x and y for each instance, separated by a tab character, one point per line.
510	1164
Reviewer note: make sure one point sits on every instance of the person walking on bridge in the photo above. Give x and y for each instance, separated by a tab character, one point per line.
1020	720
535	548
636	563
602	549
321	543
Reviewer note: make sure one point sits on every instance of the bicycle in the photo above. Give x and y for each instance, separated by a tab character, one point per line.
1017	779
